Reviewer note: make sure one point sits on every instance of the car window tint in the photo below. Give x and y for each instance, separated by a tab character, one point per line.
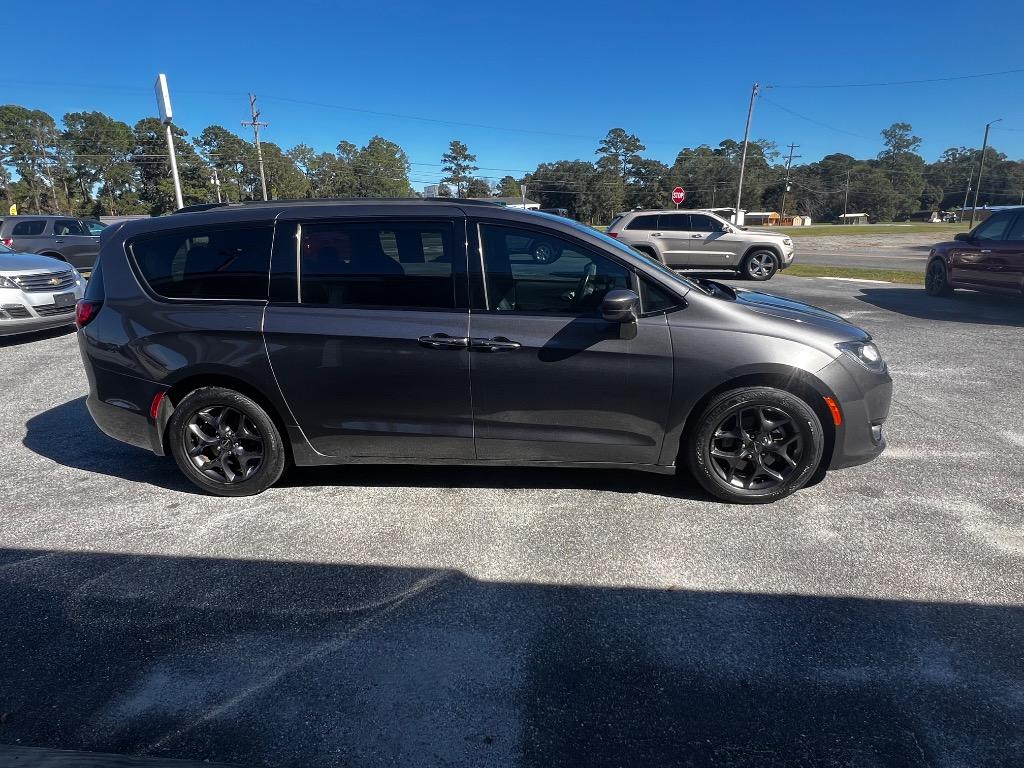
993	229
644	222
1017	230
536	273
654	298
63	227
366	264
205	263
674	222
26	228
702	223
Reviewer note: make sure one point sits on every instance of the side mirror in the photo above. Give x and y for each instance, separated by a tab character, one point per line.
963	237
620	306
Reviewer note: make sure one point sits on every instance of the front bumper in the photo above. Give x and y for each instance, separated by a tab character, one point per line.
787	256
25	312
864	399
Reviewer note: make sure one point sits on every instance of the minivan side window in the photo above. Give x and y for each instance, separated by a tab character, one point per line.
570	279
377	264
27	228
1017	230
206	263
644	222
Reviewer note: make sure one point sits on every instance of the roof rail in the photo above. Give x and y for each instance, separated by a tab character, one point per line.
327	200
200	207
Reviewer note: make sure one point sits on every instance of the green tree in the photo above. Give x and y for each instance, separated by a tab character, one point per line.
477	188
459	166
508	187
284	179
235	161
156	187
99	151
619	151
28	140
381	169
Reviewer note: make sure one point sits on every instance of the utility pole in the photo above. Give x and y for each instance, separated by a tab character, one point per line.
215	180
255	124
981	169
970	178
789	164
522	191
846	200
743	158
163	105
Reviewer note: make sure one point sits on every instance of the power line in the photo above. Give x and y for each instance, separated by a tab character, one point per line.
816	122
948	79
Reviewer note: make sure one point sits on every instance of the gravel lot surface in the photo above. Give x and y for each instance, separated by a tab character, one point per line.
531	617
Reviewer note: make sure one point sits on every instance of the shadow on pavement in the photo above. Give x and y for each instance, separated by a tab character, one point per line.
67	435
28	338
962	307
310	664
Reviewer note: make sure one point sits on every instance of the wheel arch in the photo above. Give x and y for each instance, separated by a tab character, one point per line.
804	385
181	388
53	255
775	250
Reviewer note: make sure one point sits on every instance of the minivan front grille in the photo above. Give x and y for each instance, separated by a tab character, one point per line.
47	282
48	310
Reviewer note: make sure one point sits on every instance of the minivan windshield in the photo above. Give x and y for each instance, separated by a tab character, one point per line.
683	282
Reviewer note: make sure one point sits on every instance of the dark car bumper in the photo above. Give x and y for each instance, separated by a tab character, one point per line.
863	398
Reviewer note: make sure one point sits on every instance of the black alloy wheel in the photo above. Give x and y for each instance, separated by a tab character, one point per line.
756	448
935	281
225	442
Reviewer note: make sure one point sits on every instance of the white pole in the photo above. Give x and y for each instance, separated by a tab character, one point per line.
174	166
743	157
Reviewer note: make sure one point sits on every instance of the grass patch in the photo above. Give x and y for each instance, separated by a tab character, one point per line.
890	275
941	231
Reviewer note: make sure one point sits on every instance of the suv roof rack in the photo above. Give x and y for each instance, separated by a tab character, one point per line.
322	200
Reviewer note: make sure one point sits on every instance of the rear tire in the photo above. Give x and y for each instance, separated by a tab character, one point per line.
754	445
936	283
225	443
759	265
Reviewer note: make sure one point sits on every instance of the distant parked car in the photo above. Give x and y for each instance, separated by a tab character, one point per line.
95	225
36	292
988	258
61	237
564	212
703	240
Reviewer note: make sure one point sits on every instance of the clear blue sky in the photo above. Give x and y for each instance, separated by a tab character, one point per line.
674	73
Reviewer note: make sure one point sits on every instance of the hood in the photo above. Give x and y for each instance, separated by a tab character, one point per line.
15	261
798	312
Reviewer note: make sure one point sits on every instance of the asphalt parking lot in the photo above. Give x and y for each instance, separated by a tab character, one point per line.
463	616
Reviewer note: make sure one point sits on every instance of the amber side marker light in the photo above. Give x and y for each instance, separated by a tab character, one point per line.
837	415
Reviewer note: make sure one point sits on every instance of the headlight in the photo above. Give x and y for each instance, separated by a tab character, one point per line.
865	352
6	282
787	241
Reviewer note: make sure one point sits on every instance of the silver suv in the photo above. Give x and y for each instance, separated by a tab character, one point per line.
702	240
60	237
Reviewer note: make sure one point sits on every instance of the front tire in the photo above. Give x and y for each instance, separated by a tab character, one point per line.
225	443
754	445
759	265
936	283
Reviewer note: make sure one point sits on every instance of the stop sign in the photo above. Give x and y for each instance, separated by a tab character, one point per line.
678	195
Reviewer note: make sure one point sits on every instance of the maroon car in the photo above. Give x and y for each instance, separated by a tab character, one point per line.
988	258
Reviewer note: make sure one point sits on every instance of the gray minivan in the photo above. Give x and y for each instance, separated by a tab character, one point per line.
66	238
242	338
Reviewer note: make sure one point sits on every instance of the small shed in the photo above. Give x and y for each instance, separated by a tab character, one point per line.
763	218
852	218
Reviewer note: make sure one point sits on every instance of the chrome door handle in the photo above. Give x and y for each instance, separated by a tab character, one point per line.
655	234
497	344
697	236
58	241
444	341
986	250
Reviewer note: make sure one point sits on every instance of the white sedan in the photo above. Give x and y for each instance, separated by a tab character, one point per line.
36	292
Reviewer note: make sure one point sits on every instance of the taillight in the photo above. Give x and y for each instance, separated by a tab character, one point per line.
85	311
612	234
9	242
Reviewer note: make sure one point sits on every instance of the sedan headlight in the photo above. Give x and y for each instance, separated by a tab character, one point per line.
6	282
787	241
865	353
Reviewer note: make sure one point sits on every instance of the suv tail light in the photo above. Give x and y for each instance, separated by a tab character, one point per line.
9	242
613	234
85	311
